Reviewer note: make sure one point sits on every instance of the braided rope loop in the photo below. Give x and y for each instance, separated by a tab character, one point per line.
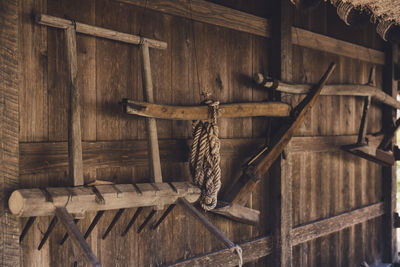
205	158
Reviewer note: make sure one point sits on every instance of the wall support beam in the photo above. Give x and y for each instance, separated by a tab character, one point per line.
389	186
9	129
283	70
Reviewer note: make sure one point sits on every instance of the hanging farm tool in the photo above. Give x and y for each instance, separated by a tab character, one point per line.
234	201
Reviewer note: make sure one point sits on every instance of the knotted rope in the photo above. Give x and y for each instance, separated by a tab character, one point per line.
205	157
238	251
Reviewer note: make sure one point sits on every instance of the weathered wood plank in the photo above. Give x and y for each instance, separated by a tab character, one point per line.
80	199
53	156
233	19
207	12
261	247
61	23
201	112
328	44
74	114
9	128
313	230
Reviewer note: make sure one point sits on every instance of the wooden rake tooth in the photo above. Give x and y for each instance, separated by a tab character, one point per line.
28	225
113	222
163	216
49	230
67	235
93	224
132	221
146	221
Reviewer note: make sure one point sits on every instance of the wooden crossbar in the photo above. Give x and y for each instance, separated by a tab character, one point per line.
61	23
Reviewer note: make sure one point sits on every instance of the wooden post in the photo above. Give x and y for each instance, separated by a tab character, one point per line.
282	45
74	119
10	252
76	235
151	125
389	173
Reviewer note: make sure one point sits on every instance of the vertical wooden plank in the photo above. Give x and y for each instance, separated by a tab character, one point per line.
9	129
389	173
282	62
33	73
74	117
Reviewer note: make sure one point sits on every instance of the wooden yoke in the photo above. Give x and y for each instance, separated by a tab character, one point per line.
259	165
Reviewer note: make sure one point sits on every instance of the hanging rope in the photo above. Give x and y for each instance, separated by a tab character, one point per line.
238	251
205	158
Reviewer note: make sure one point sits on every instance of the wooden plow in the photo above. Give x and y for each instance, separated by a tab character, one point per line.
381	154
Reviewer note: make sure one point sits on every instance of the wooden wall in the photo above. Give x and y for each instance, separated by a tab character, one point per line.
325	183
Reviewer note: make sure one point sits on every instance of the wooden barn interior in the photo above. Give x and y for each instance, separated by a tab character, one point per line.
199	133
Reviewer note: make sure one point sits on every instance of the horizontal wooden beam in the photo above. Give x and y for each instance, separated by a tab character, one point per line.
61	23
201	112
79	199
328	44
331	143
214	14
208	12
261	247
313	230
53	156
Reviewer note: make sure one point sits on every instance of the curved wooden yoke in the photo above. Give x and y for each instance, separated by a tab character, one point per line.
201	112
78	200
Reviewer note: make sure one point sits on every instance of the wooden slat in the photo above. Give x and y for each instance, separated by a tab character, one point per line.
207	12
53	156
74	117
325	227
211	13
61	23
261	247
76	235
328	44
80	199
9	128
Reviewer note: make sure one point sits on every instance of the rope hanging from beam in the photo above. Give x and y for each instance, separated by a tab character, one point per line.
205	158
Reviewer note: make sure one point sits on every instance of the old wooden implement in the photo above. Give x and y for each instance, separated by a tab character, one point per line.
255	169
381	154
237	110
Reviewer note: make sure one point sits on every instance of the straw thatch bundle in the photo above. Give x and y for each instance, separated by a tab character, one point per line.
388	10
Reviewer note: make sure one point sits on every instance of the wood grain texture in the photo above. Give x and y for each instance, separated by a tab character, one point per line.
328	44
263	246
201	112
61	23
9	129
74	114
206	12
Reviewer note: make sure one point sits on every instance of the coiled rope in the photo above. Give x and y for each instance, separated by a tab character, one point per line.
205	157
